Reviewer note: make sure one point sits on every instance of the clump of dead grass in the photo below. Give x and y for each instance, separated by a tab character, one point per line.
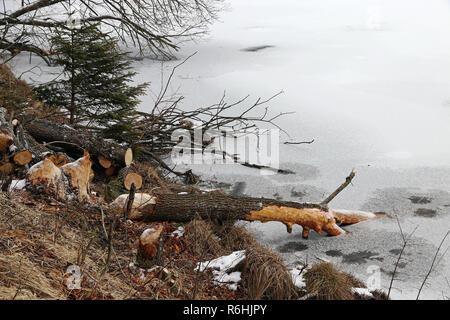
325	282
265	275
152	181
39	243
202	240
236	238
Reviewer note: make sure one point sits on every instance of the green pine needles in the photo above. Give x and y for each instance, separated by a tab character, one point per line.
94	87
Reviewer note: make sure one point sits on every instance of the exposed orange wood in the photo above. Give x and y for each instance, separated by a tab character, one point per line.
308	218
79	173
148	241
131	178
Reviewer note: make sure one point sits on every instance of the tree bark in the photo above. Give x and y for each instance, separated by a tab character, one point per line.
74	142
183	208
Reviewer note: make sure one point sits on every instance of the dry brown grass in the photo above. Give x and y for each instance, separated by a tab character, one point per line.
202	240
37	246
325	282
236	238
15	91
152	181
265	275
354	282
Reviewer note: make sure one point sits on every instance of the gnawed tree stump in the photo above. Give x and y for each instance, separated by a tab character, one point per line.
65	183
121	158
187	207
149	246
80	174
46	178
58	159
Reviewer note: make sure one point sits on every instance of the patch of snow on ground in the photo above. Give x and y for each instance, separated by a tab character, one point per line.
17	185
221	266
297	277
178	233
362	292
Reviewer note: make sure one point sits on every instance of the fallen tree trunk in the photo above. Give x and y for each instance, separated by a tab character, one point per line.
187	207
216	206
73	142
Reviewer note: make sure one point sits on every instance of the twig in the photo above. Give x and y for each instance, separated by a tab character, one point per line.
301	142
338	190
405	242
432	265
62	142
130	201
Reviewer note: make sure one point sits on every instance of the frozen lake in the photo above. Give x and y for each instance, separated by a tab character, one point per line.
369	81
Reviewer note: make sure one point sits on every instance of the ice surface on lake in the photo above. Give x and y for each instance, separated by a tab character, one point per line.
369	81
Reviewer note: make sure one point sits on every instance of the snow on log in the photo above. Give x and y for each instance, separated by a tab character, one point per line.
140	200
186	207
6	168
62	183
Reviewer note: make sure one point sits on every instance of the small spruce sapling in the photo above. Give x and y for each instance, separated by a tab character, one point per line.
94	87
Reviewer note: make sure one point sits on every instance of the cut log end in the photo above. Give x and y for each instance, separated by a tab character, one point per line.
111	171
45	177
104	162
7	168
6	139
23	157
80	174
132	178
128	157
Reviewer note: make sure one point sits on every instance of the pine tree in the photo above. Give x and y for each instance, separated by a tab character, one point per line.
94	88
